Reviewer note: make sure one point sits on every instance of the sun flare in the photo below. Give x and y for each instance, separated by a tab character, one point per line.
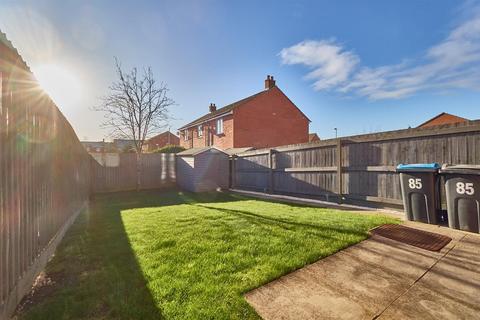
60	82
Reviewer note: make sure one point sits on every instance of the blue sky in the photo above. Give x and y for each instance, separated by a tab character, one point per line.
360	66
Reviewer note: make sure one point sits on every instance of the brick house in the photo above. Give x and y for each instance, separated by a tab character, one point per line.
313	137
266	119
442	118
161	140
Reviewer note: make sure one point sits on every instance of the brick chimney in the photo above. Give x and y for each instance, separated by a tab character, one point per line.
269	82
212	107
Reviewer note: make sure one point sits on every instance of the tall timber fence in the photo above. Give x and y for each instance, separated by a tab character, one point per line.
157	170
44	177
357	169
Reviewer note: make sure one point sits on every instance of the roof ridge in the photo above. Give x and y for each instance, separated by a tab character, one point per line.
222	110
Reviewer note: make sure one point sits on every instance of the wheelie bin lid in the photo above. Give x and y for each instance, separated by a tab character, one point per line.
418	167
461	169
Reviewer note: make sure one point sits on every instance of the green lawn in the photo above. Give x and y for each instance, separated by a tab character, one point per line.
173	255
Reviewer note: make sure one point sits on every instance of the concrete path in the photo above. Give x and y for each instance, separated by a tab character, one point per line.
381	279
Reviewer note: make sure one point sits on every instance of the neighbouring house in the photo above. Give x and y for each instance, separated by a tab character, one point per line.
441	119
103	152
312	137
117	146
161	140
266	119
95	146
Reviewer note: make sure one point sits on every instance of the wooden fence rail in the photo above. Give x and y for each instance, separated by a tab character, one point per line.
354	169
44	177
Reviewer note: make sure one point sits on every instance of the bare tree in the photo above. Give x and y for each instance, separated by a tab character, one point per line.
136	107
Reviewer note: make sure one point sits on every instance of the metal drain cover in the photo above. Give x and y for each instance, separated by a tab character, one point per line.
414	237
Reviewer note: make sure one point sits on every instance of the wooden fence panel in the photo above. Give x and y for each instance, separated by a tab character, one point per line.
44	177
157	171
357	168
308	183
321	157
252	172
370	165
309	172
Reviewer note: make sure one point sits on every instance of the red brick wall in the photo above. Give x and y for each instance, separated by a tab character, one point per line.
269	120
187	144
223	141
161	141
198	142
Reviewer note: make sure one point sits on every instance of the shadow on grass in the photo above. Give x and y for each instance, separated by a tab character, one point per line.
284	223
94	273
161	198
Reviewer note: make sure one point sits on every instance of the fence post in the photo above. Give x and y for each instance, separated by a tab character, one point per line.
270	173
172	162
232	171
339	170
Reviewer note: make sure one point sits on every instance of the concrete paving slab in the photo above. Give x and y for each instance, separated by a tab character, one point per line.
450	290
380	277
425	303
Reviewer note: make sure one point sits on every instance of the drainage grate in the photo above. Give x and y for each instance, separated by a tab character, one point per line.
414	237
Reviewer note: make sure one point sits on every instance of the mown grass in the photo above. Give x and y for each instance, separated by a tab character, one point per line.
154	255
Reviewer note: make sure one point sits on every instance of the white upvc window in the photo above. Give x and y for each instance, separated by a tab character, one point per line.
185	134
219	125
200	130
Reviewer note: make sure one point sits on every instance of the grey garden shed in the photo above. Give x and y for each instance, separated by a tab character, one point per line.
202	169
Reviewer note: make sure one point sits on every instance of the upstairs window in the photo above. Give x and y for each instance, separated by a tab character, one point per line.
220	126
200	131
185	134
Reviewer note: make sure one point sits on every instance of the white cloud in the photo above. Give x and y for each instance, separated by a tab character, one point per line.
331	65
451	64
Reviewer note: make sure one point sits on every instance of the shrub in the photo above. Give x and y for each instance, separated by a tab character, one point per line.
170	149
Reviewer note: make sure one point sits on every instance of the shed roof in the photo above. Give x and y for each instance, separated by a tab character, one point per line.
195	151
234	151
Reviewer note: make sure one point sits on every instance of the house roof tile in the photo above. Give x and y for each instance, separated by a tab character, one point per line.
450	118
221	111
